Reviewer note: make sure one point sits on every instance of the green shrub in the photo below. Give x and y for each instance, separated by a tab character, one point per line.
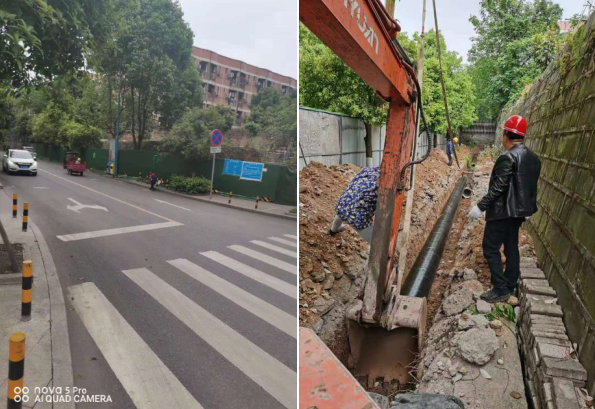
188	185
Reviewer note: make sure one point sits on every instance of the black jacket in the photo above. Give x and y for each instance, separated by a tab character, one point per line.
513	185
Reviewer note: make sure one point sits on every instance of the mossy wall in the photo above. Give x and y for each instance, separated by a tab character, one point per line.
560	111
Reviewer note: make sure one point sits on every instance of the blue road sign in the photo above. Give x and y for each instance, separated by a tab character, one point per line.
216	137
252	171
232	167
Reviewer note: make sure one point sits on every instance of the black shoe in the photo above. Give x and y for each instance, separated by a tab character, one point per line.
332	233
493	296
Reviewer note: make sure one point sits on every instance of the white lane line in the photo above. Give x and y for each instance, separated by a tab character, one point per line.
278	249
256	275
171	204
291	236
270	374
119	230
282	241
146	379
40	187
111	197
80	206
290	268
263	310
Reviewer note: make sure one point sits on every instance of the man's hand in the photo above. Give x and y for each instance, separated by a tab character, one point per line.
475	213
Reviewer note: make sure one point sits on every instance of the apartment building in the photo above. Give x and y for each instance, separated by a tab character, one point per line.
233	83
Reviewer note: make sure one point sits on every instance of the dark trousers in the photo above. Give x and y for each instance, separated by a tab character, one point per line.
497	233
153	184
449	159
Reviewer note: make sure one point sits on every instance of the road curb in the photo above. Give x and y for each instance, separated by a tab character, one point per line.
10	279
61	359
200	199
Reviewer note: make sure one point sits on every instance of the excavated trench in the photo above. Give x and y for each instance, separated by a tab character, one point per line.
323	304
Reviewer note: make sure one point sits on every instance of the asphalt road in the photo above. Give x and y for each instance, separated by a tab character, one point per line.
161	310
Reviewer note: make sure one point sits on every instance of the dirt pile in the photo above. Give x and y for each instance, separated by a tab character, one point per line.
328	264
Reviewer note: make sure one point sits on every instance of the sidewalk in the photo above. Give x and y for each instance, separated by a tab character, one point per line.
270	209
47	356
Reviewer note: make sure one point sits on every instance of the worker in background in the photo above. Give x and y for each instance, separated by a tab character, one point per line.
357	204
153	180
511	197
449	150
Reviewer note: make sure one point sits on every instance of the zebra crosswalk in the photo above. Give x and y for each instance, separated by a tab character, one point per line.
267	262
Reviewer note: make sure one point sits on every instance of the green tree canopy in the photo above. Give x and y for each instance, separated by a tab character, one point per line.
191	135
515	41
68	114
459	87
326	82
149	62
40	39
274	116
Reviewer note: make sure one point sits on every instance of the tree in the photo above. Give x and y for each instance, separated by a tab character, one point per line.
274	116
149	63
71	116
459	87
328	83
81	136
515	41
40	39
190	136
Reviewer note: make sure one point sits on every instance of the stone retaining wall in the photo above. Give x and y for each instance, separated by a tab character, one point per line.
560	111
554	376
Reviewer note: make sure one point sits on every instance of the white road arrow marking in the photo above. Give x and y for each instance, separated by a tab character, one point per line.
80	206
171	204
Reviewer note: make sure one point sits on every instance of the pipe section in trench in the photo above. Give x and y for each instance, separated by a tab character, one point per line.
419	280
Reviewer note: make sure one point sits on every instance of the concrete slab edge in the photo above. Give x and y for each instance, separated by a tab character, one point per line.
200	199
10	279
61	358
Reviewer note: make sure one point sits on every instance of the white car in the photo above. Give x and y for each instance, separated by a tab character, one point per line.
19	161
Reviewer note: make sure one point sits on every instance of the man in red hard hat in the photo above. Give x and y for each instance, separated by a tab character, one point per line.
511	197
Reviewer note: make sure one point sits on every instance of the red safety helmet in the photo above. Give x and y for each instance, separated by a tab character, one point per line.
516	124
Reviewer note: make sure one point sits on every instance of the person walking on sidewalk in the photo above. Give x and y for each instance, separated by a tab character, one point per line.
153	180
449	150
357	204
511	197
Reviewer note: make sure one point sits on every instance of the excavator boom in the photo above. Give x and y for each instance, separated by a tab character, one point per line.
361	33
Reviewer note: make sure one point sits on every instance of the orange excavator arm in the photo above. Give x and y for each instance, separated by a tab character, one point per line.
361	33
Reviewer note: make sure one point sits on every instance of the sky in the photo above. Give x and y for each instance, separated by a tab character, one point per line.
453	19
264	32
260	32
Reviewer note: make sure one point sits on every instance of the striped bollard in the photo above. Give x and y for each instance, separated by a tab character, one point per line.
229	201
27	295
14	205
25	215
167	183
256	205
16	370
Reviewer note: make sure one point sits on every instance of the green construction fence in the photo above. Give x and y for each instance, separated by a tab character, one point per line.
279	183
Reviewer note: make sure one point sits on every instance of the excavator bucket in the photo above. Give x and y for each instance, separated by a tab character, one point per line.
387	352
